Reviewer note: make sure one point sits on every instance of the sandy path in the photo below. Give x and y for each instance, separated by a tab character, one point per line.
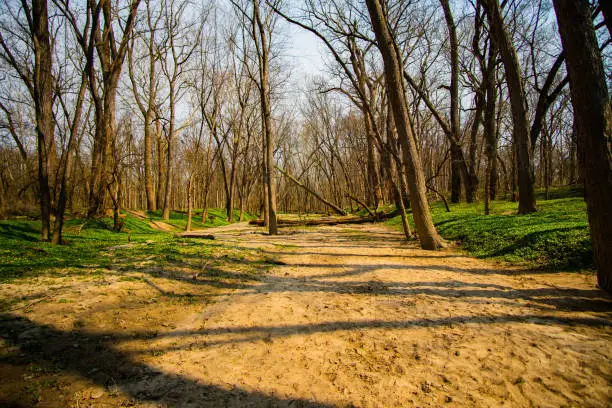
355	317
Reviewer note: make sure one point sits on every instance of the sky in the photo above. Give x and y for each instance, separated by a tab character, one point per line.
306	55
305	50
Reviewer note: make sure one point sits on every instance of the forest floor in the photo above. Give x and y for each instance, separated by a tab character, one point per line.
315	317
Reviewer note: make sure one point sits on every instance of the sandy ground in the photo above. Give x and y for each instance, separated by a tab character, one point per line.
345	316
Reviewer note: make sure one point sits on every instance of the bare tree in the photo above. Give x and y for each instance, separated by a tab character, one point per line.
395	88
110	57
73	115
261	26
40	82
180	40
527	201
145	91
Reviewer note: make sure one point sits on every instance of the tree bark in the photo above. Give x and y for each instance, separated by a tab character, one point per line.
168	189
393	74
66	167
261	42
43	103
159	197
189	204
398	189
147	108
373	176
518	105
456	154
593	118
455	175
111	60
490	123
149	116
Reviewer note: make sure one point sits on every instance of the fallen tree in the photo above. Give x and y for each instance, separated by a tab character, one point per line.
327	220
361	203
314	193
195	234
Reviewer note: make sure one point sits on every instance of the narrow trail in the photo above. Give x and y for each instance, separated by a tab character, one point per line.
353	316
158	225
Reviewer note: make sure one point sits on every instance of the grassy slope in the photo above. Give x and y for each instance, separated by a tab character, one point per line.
216	218
22	253
556	237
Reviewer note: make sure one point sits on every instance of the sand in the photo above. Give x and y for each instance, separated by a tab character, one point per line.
342	316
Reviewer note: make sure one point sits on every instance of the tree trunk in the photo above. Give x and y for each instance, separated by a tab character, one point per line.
471	184
169	152
159	198
393	74
168	189
149	115
265	202
242	209
148	163
593	117
520	131
110	58
66	166
43	103
490	124
115	192
189	204
261	42
117	224
546	151
205	204
232	191
398	188
455	175
456	156
226	183
373	176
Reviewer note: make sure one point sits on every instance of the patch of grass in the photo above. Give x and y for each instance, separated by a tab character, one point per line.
554	238
22	253
88	243
216	218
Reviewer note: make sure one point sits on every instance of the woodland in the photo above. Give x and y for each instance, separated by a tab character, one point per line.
190	217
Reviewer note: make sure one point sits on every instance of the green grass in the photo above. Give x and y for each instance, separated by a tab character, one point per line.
216	218
22	254
554	238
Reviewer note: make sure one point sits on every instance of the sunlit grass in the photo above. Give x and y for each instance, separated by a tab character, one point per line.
555	237
216	218
22	254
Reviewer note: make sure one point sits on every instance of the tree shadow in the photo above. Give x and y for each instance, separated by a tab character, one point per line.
244	334
19	231
226	279
96	360
322	253
94	356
